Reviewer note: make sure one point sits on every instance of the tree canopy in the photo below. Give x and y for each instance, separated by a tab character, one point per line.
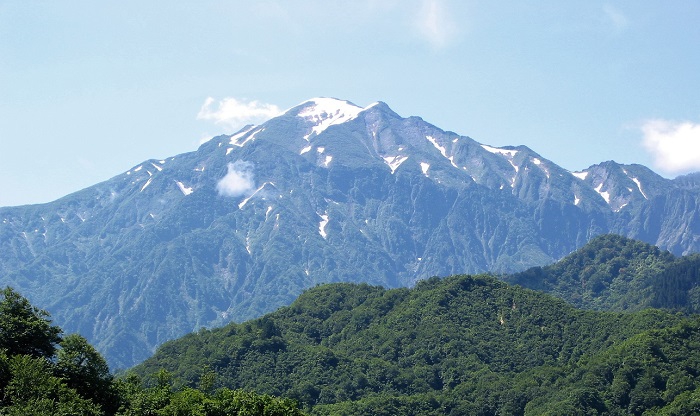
25	329
459	345
44	374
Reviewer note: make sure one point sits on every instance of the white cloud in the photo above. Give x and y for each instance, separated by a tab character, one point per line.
615	17
435	23
235	113
238	181
675	146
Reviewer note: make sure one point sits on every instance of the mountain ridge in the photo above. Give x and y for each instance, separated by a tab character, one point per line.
247	221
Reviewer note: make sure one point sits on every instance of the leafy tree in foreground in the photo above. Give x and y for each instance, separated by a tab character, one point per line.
83	369
44	375
163	399
25	329
34	390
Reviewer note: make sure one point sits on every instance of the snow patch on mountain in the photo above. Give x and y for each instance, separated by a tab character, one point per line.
184	189
542	166
443	150
257	191
148	182
394	162
247	139
639	186
322	225
424	168
509	153
604	194
236	137
581	175
325	112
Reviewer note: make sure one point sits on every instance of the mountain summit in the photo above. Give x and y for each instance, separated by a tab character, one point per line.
326	192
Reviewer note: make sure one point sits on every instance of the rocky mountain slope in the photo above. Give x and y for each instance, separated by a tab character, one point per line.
326	192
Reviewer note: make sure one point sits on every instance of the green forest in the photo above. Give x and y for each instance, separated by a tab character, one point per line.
615	273
44	373
625	342
459	345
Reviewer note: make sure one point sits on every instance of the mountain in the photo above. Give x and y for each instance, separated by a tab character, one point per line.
454	346
326	192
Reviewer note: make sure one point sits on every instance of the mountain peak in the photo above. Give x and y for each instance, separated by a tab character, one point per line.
323	112
324	107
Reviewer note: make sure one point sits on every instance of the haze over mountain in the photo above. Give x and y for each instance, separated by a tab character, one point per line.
326	192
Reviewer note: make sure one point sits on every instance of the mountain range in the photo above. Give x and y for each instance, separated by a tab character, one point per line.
326	192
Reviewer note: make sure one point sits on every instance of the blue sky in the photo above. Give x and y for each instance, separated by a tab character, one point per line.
89	89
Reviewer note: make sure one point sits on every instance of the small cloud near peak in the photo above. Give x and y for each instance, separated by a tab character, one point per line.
238	181
235	113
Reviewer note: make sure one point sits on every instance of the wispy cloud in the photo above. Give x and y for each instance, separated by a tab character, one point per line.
234	113
239	180
615	17
435	23
675	146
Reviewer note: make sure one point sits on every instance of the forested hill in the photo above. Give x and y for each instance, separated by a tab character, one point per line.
615	273
460	345
44	373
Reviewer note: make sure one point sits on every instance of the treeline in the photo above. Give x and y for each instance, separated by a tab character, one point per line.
459	345
43	373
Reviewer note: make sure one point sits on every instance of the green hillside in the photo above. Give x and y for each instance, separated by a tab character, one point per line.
460	345
43	373
615	273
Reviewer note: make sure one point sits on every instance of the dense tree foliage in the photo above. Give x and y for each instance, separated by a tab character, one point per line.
615	273
25	329
43	374
460	345
678	287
